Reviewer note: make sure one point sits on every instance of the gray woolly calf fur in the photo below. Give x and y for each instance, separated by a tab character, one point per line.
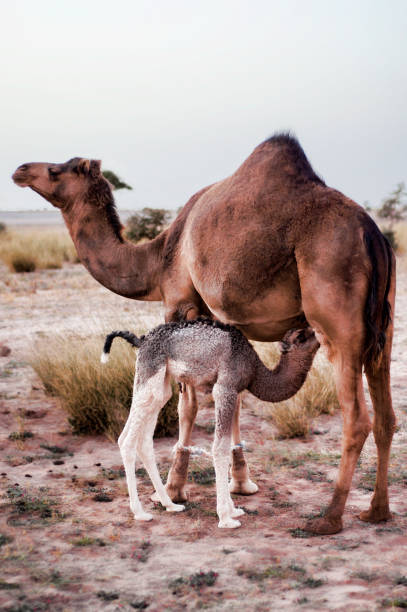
211	357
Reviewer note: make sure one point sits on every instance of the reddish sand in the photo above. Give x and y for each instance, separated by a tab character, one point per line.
83	554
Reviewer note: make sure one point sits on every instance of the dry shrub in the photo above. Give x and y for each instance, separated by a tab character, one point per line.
26	251
400	231
96	397
293	417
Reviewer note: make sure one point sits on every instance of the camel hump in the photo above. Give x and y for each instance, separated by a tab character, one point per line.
288	158
377	308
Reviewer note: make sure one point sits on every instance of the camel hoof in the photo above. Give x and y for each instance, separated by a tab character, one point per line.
237	512
248	487
143	516
155	497
377	515
324	526
175	508
177	494
229	524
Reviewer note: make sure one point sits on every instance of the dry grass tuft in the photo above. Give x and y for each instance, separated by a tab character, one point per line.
96	397
29	250
400	231
293	418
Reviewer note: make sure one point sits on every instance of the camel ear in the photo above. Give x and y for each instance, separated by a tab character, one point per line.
95	166
83	166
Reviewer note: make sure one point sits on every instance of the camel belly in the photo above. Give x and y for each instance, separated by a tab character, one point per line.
265	319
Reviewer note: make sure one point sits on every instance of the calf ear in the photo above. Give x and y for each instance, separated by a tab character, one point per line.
95	166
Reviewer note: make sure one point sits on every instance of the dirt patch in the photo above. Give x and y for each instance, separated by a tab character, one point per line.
68	540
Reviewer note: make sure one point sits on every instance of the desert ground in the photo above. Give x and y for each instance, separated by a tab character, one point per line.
68	540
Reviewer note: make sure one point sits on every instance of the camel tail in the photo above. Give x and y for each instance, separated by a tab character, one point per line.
378	312
126	335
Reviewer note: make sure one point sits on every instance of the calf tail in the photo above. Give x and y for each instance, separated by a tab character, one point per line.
126	335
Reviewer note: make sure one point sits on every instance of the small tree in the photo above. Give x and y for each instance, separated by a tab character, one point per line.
147	223
394	208
115	181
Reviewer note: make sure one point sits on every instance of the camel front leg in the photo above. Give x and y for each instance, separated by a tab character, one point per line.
177	476
240	482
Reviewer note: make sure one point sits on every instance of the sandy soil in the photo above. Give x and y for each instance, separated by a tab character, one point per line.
69	551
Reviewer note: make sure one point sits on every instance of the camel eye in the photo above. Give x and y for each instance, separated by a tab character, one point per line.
54	172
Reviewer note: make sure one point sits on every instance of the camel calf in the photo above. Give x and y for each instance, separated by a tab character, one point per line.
211	356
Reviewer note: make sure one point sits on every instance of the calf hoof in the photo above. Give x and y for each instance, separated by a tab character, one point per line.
324	526
246	487
229	524
237	512
375	515
143	516
177	494
175	508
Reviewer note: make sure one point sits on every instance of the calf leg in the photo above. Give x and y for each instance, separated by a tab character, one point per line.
240	482
225	406
137	439
177	476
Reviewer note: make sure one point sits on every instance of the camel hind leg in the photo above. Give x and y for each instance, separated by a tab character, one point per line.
384	423
336	312
356	428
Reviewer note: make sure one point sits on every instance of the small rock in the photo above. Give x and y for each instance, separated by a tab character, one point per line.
4	350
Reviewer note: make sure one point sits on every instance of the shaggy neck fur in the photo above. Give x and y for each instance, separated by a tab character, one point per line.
130	270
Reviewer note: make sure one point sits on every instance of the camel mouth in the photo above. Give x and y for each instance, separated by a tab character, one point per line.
20	177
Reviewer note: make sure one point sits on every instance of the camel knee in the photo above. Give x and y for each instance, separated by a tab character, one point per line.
383	429
355	439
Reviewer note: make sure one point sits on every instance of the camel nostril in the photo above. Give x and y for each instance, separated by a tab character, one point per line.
23	167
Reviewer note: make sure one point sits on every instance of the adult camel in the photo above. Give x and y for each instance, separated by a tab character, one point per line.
268	249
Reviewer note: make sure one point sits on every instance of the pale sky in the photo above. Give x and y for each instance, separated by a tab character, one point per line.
174	95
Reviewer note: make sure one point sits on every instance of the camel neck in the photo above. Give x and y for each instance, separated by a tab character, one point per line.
130	270
284	381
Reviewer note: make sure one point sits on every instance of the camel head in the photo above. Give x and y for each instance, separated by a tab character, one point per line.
63	184
304	339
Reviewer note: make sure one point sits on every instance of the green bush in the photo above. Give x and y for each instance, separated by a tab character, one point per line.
391	237
147	223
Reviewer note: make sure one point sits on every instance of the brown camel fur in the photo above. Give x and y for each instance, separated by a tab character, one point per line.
268	249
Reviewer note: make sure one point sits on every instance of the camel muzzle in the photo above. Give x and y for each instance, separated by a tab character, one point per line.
20	176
